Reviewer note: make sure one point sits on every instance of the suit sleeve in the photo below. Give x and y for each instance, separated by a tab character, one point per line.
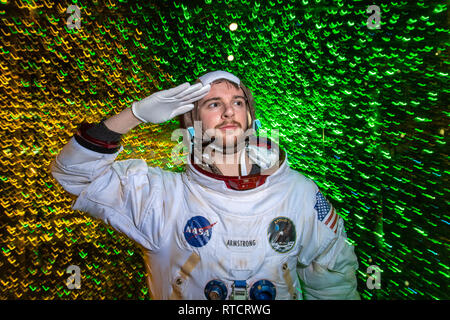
124	194
331	273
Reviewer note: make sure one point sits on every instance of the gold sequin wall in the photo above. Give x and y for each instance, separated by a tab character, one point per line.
358	95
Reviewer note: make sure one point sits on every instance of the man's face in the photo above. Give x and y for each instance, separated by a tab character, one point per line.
223	113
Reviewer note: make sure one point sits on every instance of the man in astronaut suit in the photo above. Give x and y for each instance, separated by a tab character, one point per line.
238	224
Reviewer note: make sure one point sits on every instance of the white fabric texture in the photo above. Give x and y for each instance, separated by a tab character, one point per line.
165	212
167	104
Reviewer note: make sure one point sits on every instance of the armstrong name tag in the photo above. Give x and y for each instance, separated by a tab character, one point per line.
241	255
240	243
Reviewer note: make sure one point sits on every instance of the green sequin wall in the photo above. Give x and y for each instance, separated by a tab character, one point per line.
361	111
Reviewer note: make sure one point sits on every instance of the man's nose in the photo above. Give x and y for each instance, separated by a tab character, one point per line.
229	110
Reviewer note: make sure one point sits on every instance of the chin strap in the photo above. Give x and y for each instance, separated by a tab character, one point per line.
256	125
243	164
191	131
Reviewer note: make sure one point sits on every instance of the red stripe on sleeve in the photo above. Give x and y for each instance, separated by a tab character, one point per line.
334	222
331	215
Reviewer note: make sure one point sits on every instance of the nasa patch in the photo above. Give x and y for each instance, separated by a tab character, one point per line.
198	231
282	234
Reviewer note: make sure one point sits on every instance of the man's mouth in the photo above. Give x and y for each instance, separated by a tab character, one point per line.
228	126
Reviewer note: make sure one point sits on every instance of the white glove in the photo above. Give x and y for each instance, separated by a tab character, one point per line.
167	104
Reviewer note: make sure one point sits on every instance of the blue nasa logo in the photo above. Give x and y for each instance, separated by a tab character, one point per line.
198	231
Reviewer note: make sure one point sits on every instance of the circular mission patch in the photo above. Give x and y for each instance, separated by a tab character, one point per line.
281	234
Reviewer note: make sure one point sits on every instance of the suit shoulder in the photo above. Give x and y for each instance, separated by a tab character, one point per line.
131	167
306	183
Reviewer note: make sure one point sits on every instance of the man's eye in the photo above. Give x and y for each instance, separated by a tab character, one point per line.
212	105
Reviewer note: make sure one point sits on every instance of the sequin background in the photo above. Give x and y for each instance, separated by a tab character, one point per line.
361	111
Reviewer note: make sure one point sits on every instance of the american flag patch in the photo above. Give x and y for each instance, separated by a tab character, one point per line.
326	212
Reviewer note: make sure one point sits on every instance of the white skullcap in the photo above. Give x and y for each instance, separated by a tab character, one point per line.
215	75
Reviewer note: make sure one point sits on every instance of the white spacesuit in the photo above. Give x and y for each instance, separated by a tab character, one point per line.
204	239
